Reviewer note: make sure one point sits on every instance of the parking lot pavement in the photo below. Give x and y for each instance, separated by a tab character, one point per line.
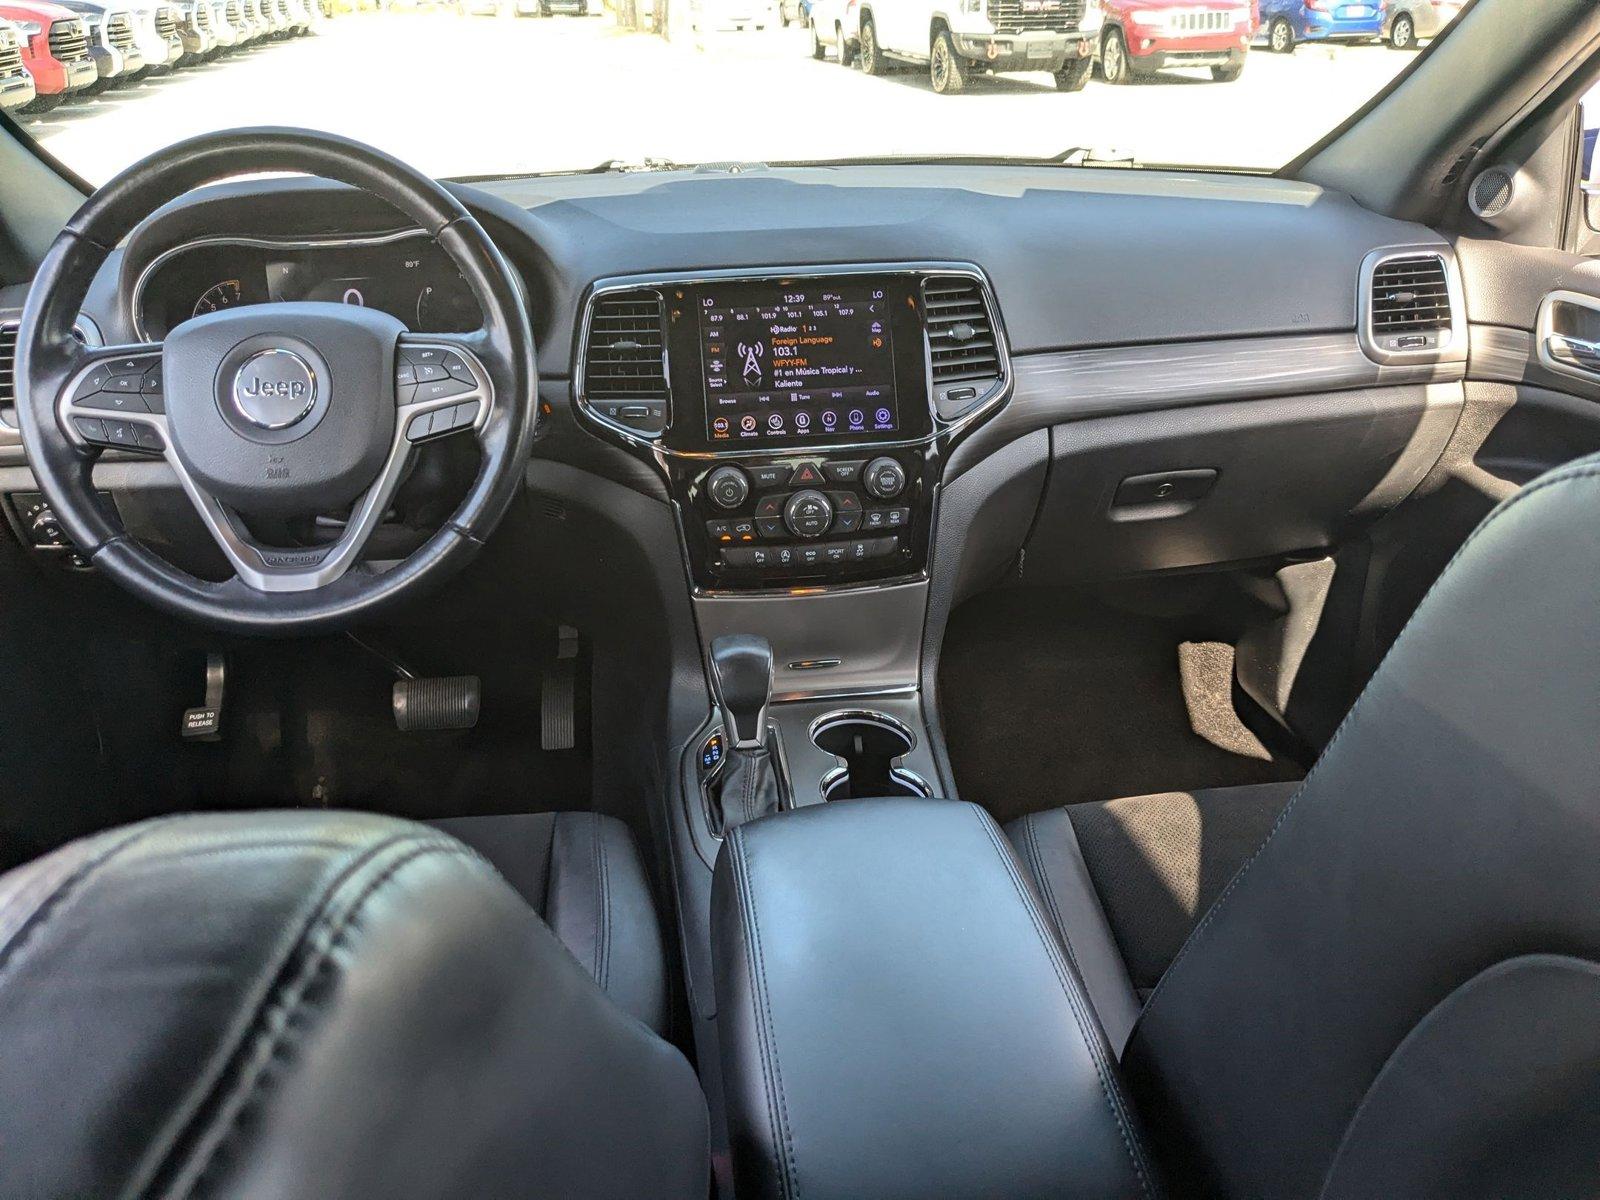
479	95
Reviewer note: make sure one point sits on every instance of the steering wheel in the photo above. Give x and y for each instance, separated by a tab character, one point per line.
276	410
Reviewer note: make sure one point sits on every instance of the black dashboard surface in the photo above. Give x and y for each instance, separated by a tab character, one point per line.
1078	257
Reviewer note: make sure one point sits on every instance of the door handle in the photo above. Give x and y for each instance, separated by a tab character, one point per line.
1579	353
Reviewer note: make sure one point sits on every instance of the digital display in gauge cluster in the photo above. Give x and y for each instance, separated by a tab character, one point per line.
410	278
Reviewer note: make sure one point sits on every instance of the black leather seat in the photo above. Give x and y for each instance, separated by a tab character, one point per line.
306	1005
581	872
1398	994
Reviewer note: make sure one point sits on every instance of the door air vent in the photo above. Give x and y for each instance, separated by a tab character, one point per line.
1411	305
964	352
625	362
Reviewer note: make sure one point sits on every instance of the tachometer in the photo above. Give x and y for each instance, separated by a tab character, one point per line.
219	296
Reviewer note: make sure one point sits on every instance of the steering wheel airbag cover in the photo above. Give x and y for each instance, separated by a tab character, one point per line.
320	461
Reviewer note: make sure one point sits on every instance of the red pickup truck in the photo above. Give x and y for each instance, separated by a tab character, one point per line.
55	50
1142	37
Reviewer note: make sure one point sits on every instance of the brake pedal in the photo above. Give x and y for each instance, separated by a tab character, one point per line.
450	702
558	722
204	724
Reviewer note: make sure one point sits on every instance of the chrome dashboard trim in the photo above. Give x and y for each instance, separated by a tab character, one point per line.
135	302
920	270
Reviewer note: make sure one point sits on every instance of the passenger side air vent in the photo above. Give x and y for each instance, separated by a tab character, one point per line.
625	360
963	350
1410	306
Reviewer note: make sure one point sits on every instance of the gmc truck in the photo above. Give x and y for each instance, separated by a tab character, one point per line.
958	39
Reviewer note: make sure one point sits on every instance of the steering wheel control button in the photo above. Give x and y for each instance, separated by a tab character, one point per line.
274	389
92	429
405	374
148	438
884	479
728	487
439	388
423	356
457	368
115	401
808	514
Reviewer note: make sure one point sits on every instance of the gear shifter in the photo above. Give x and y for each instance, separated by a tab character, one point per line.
751	783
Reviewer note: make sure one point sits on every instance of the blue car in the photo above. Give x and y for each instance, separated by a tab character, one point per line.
1284	23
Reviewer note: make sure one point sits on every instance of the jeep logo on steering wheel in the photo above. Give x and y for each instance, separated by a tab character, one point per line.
274	388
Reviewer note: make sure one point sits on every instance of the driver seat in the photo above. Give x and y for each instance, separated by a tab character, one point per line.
315	1004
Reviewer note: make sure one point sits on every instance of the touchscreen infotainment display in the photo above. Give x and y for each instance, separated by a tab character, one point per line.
797	359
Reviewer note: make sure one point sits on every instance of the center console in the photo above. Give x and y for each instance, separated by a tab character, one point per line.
800	417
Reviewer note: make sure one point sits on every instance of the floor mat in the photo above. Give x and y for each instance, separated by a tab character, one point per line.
1050	698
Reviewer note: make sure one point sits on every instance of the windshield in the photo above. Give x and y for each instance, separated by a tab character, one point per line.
479	88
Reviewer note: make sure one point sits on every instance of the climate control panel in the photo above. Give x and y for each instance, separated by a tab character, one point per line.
812	519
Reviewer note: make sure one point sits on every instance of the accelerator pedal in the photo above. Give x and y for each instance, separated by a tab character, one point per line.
558	722
424	705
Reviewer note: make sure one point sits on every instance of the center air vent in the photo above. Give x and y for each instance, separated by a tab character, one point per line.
963	351
625	361
1410	307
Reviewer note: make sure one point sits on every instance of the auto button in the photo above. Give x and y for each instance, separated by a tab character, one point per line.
808	514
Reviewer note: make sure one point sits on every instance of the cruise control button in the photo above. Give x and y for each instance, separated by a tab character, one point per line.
775	475
404	373
439	389
844	472
805	475
428	372
457	368
422	356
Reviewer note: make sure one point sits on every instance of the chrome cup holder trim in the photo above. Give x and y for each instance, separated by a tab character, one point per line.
901	775
867	716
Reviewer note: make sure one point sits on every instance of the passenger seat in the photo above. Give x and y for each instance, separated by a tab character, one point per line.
1125	881
582	873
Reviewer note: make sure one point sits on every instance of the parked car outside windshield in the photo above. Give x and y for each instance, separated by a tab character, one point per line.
647	84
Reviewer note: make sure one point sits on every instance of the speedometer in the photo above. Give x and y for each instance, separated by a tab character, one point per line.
218	296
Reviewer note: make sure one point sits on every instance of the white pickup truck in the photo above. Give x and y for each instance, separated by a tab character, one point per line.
957	39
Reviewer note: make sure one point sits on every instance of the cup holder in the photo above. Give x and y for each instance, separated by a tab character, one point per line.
867	743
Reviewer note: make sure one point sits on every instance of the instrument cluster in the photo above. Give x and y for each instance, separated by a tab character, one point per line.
407	276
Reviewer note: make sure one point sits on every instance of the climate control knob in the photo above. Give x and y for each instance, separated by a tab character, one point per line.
808	514
884	478
728	487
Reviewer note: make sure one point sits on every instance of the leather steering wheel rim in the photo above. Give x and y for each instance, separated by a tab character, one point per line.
49	358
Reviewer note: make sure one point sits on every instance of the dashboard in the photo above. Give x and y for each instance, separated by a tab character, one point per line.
405	275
